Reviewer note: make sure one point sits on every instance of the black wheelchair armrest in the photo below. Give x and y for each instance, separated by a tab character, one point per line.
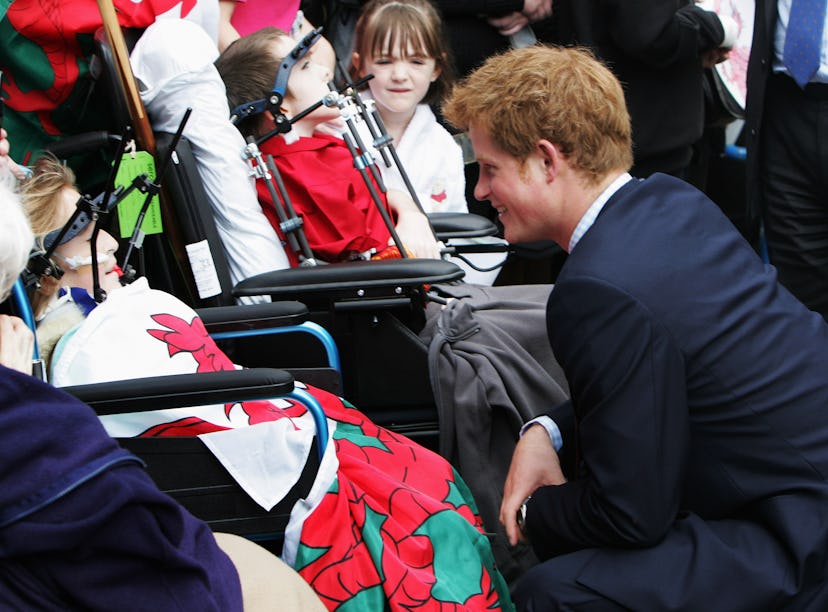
253	316
353	278
81	144
183	390
461	225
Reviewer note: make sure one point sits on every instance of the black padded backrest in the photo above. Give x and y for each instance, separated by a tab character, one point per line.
183	193
191	206
103	66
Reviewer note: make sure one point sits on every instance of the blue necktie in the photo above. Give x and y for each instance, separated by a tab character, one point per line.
804	39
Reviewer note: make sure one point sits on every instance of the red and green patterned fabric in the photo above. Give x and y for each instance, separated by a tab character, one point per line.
45	46
413	539
388	525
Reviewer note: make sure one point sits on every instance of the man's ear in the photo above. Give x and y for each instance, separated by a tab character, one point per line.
355	61
551	157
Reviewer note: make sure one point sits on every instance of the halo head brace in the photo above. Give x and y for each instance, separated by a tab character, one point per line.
273	102
79	222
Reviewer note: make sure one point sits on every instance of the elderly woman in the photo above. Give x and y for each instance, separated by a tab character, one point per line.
16	340
386	519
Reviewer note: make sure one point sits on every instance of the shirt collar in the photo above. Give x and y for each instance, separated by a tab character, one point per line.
595	209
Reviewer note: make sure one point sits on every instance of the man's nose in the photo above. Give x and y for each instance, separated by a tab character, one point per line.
481	189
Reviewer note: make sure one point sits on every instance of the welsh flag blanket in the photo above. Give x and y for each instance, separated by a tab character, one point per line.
45	50
388	525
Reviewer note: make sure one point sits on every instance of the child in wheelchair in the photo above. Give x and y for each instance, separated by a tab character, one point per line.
343	220
521	373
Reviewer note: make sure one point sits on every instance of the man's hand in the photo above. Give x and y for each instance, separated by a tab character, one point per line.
533	10
412	227
536	10
534	464
16	344
506	25
7	164
715	56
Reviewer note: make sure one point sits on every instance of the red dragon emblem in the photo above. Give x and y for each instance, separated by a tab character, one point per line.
192	338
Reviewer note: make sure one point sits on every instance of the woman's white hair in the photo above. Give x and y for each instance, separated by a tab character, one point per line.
16	239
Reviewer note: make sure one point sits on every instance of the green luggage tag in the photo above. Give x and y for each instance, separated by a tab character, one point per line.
133	165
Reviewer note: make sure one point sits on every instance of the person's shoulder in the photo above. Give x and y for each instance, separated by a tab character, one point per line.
170	49
659	179
318	140
658	190
324	139
680	199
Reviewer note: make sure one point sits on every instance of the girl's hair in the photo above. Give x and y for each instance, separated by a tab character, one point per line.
15	240
382	24
41	193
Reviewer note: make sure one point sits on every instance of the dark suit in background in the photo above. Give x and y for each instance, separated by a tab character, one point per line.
700	392
787	166
654	47
471	38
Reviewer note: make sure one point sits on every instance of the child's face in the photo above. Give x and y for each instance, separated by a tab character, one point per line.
75	255
401	80
307	85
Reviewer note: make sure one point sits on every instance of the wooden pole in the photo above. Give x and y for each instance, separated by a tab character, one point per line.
145	139
141	124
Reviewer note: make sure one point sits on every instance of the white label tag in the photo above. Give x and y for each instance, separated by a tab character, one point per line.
204	271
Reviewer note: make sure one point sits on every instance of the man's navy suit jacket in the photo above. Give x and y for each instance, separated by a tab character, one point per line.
700	389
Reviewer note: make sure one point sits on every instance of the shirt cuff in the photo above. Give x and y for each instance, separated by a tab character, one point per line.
731	31
551	428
